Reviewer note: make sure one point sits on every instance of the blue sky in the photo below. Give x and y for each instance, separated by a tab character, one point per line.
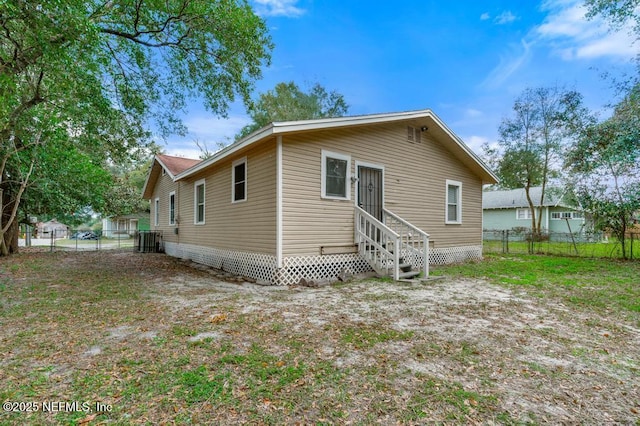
466	60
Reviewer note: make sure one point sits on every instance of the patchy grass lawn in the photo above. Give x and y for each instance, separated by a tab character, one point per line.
128	338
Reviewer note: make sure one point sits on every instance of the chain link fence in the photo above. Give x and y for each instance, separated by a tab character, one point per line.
584	244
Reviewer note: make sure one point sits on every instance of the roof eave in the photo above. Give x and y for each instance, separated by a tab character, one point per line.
225	152
487	176
146	195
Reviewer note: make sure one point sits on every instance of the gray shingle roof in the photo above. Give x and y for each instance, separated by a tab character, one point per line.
516	198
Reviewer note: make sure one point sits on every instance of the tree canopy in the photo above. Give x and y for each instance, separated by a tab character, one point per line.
605	166
81	82
288	102
605	161
532	141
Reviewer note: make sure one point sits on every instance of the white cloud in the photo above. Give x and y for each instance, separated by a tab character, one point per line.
208	130
572	36
286	8
473	113
509	64
505	18
485	16
475	143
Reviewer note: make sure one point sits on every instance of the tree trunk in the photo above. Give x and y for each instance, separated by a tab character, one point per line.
8	239
11	237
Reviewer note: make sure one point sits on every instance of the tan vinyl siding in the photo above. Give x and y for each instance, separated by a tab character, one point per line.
415	177
163	186
248	226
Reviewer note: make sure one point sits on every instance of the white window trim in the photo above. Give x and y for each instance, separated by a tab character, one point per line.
156	212
233	180
528	216
172	222
323	184
195	202
572	215
458	203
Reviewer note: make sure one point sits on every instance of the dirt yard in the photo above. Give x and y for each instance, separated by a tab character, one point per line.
161	341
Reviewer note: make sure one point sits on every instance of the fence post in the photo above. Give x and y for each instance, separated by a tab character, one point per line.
507	240
52	242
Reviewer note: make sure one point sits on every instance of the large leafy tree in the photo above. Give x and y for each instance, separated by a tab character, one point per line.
616	12
80	82
288	102
532	141
605	163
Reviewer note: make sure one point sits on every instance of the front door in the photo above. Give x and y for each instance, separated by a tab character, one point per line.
370	190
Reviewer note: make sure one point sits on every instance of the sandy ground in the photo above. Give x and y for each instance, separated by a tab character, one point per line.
537	360
547	362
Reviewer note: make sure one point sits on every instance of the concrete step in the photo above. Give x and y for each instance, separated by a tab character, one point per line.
409	274
405	267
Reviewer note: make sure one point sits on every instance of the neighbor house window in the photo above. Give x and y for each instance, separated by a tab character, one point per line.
156	211
567	215
523	214
199	202
336	176
239	180
172	208
454	202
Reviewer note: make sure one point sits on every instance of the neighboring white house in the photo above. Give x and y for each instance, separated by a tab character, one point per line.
125	226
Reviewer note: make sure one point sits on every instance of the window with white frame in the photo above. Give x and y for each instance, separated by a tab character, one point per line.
336	175
567	215
172	208
454	202
156	211
198	198
239	180
523	214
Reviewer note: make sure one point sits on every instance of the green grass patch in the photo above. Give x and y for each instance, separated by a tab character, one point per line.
588	283
202	384
116	329
454	401
365	336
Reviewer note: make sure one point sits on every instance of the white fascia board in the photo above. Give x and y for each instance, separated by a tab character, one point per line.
146	181
328	123
278	128
164	166
464	146
225	152
296	126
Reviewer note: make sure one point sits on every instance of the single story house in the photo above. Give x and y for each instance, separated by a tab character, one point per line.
506	210
52	228
125	226
315	199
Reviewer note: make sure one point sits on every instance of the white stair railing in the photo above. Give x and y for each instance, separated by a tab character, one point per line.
414	242
377	243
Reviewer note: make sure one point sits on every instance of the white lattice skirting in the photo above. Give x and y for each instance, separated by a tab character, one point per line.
443	256
259	266
326	267
263	267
